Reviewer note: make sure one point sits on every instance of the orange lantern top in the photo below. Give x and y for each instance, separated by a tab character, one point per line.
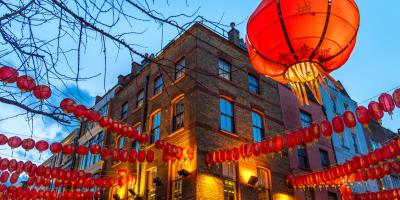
301	41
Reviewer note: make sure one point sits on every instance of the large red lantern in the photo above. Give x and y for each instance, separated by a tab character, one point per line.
14	142
375	111
326	129
68	149
93	116
42	92
396	97
3	139
67	105
301	42
150	156
315	132
349	120
81	112
28	144
105	121
82	150
56	147
278	143
8	74
386	102
26	83
132	156
338	125
42	145
141	156
363	116
95	149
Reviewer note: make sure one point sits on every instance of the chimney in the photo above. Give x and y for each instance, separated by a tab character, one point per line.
98	98
121	79
135	67
233	35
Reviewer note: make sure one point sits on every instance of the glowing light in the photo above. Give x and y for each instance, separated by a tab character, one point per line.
282	196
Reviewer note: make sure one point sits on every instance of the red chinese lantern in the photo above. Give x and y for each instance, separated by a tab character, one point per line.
338	125
93	116
8	74
28	144
386	103
278	143
14	178
95	149
363	116
159	144
209	159
132	156
375	111
396	97
300	43
105	122
82	150
42	145
288	142
68	149
144	138
222	156
297	138
349	120
42	92
141	156
14	142
56	147
115	127
307	136
150	156
132	133
3	139
26	83
315	132
81	112
235	154
123	155
67	105
4	176
121	181
326	129
229	155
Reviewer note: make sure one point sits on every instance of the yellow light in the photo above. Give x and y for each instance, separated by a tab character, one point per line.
282	196
245	174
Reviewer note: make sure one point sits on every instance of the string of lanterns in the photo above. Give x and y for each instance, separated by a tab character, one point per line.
382	195
13	192
121	155
25	83
310	135
173	152
359	167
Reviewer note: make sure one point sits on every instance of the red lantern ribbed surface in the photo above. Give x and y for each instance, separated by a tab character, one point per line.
8	74
26	83
42	92
296	42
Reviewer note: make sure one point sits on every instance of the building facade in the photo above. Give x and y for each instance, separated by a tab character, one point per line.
210	100
336	102
308	158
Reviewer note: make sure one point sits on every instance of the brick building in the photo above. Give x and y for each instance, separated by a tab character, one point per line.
210	100
308	158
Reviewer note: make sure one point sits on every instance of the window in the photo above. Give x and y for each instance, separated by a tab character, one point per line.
104	110
305	119
121	141
375	145
226	113
136	144
324	158
124	110
177	182
258	127
158	85
229	174
178	115
224	69
302	156
253	84
140	98
90	159
355	142
346	106
150	186
180	69
264	185
155	128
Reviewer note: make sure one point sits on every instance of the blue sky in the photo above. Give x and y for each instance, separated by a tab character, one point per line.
372	68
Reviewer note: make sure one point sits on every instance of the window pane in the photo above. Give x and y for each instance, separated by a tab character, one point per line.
226	115
305	119
178	117
180	69
158	85
324	158
140	98
155	130
253	84
124	110
302	156
258	128
224	69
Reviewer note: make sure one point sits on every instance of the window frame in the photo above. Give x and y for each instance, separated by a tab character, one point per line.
180	115
154	138
118	146
251	85
324	154
262	189
254	126
303	121
222	114
124	110
303	148
224	73
229	174
140	98
158	87
180	72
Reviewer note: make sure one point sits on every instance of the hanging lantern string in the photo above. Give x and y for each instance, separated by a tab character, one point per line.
26	136
376	96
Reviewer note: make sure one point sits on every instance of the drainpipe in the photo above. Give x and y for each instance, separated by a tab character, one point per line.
143	127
